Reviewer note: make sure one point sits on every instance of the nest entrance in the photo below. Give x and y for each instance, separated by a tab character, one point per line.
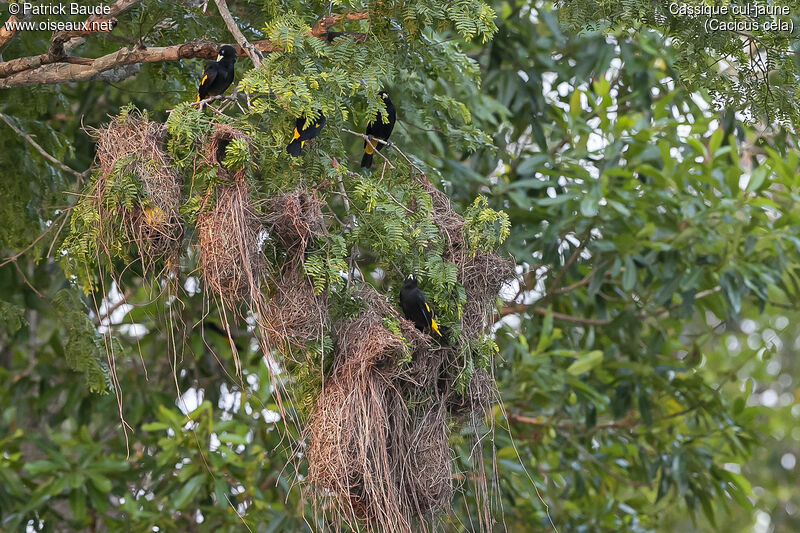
214	153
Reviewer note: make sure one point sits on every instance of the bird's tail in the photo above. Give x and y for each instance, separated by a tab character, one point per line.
294	147
366	161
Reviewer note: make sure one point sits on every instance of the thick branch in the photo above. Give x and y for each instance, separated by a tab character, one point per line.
5	33
59	43
66	72
325	23
38	70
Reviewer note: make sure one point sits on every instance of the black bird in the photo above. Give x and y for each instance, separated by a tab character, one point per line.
217	75
416	307
303	133
380	130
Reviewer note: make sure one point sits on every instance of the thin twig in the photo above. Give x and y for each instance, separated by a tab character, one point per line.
39	149
368	138
586	453
521	308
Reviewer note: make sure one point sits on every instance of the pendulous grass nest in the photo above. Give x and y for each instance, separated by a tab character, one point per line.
378	441
293	313
379	436
228	237
481	274
293	220
131	146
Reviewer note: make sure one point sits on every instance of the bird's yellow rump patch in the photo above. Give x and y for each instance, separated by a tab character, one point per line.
369	148
435	327
296	134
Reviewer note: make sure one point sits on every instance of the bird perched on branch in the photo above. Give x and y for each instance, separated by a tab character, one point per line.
217	75
304	132
379	130
416	307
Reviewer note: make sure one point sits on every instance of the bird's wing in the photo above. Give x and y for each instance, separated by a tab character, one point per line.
209	74
426	310
312	129
369	146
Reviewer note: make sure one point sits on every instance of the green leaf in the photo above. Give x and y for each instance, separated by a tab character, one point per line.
232	438
586	362
102	483
757	178
629	275
39	467
188	491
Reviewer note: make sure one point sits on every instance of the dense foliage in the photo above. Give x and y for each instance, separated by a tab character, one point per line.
644	353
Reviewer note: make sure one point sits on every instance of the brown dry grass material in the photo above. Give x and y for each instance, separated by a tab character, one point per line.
379	454
450	223
130	144
294	219
475	403
348	454
425	467
362	430
481	274
214	153
231	259
294	314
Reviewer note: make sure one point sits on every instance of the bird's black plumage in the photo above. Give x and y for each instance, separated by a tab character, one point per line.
416	307
304	132
379	129
217	75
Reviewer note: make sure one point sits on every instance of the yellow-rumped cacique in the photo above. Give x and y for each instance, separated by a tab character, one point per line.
416	307
304	132
379	130
217	75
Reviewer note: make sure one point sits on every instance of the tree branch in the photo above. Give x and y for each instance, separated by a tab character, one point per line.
252	52
61	41
39	70
56	162
327	22
7	34
521	308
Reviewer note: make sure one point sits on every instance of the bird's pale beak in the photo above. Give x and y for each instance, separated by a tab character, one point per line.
219	58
